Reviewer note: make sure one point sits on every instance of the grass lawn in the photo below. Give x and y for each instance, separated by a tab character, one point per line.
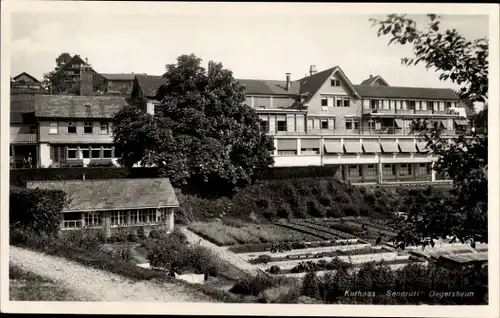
26	286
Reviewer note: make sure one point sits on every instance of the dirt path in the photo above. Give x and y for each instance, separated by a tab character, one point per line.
96	285
222	252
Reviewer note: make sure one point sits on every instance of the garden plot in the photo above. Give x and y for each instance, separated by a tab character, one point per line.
226	235
317	229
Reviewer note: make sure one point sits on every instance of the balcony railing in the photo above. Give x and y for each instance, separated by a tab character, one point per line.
23	138
409	111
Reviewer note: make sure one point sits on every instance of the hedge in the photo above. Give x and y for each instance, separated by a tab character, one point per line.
19	177
36	210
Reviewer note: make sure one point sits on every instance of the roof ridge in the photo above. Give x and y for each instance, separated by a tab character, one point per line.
392	86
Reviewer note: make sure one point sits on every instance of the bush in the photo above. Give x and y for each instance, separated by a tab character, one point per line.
254	285
36	210
261	259
274	269
132	237
141	233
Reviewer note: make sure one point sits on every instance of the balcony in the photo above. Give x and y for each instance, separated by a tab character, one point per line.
380	111
23	138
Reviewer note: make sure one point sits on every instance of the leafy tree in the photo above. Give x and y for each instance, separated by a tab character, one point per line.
465	160
201	133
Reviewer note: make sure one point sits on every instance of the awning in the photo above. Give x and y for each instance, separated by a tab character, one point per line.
309	143
407	146
421	146
389	146
352	146
333	146
287	144
399	122
461	122
444	122
371	146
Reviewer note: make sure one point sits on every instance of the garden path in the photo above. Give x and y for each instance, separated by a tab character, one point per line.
222	252
98	285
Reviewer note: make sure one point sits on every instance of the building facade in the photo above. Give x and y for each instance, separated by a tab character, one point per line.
324	119
115	205
119	84
76	130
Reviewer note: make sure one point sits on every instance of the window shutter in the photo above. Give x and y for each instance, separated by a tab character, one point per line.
441	105
310	124
290	122
51	152
272	123
366	104
423	105
287	144
300	123
404	104
316	123
309	143
398	104
385	104
331	123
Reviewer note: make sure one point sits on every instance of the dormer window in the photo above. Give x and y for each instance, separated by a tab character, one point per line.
335	82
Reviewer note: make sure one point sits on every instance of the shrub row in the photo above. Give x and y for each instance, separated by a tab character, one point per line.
36	210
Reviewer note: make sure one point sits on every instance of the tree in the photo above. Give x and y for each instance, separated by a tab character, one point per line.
464	160
201	132
310	286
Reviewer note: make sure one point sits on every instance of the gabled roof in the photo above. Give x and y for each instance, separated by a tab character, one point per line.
269	87
23	103
26	74
406	92
120	76
310	85
110	194
76	59
69	106
150	84
372	79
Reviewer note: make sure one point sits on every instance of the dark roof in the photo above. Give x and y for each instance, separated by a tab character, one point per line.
269	87
120	76
23	102
371	80
76	59
467	258
406	92
69	106
150	84
311	84
113	193
26	74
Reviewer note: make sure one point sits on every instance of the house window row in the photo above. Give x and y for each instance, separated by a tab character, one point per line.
332	101
91	152
408	104
71	127
133	217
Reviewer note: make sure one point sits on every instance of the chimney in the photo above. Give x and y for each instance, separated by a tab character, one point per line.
312	70
371	75
287	81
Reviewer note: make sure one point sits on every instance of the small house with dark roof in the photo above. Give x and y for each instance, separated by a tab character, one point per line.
145	90
119	83
24	83
23	131
115	204
76	130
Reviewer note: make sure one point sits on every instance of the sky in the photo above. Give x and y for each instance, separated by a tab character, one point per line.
251	45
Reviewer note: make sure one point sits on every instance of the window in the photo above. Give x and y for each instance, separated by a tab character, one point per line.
164	214
351	124
72	153
338	102
422	169
430	105
53	128
87	127
104	130
447	105
119	218
85	152
347	102
152	216
71	128
309	151
324	101
354	170
375	103
334	82
371	171
371	124
32	130
405	169
411	105
389	169
93	219
107	152
264	126
143	216
324	124
331	101
282	125
95	152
